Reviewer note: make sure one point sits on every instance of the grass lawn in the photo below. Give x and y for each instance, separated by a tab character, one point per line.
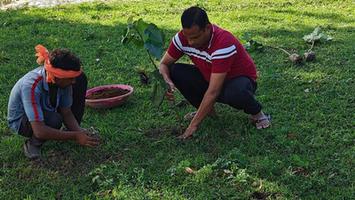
308	153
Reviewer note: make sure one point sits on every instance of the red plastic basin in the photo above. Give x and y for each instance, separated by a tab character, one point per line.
108	102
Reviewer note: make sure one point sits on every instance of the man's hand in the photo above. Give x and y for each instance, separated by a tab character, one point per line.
84	139
170	83
170	95
188	132
164	71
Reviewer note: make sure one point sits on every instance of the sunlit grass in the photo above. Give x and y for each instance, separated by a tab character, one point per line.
306	154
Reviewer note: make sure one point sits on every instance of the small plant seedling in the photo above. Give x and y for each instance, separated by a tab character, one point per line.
315	37
294	57
151	38
253	45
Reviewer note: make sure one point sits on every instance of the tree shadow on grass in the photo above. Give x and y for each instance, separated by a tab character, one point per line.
230	137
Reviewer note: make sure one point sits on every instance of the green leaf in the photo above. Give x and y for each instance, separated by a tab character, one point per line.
154	35
159	89
146	35
316	35
154	41
253	45
158	94
154	50
137	40
140	26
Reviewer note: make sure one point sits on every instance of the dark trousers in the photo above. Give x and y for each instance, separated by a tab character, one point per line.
237	92
54	119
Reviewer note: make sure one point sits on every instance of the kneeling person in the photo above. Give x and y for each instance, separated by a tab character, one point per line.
222	72
48	96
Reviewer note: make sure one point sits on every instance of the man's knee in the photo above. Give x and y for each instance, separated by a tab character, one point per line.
237	96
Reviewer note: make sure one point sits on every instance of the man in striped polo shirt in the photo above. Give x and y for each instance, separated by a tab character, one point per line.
222	70
45	98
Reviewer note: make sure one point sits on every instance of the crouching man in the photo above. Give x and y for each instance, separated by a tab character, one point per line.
48	96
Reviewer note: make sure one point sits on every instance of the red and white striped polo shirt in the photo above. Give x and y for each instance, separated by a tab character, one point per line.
223	54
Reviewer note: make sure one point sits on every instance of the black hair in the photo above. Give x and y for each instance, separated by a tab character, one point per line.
194	16
64	59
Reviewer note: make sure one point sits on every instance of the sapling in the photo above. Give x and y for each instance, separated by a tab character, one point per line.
253	45
151	38
316	36
293	57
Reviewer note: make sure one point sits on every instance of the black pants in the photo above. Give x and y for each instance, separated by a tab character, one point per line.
54	119
237	92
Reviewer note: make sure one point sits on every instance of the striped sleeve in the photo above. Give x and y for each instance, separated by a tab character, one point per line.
224	52
31	97
223	59
175	47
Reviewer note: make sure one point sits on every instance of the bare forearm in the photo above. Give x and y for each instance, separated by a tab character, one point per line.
71	123
48	133
164	71
165	62
208	101
205	108
69	119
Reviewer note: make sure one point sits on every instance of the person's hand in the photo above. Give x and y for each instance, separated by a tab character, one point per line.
170	93
171	85
84	139
188	132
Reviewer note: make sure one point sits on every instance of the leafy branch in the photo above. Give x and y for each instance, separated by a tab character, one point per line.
151	38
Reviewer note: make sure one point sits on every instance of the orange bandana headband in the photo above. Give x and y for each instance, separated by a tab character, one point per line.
43	58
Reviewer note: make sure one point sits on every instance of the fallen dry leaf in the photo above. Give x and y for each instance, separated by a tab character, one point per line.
189	170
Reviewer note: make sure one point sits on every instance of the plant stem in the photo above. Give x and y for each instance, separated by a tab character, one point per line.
279	48
151	59
311	46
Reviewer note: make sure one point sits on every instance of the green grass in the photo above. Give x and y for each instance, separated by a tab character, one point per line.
308	153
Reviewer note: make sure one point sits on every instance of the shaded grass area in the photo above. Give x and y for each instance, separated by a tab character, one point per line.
308	153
